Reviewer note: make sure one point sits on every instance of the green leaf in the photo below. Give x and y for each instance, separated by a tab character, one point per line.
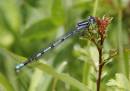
5	83
11	13
35	80
63	77
121	82
15	57
33	3
43	79
40	29
58	12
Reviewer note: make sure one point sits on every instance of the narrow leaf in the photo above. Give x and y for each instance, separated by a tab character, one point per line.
58	12
40	29
63	77
5	83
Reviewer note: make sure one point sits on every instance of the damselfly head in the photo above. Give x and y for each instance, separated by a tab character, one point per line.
91	19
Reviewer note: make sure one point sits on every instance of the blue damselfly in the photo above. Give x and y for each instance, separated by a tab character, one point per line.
81	26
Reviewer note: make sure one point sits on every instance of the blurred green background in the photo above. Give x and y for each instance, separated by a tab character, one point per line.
26	26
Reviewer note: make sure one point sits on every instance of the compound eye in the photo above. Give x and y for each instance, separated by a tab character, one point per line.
91	19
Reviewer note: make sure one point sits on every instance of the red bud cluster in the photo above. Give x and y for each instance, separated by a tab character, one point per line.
102	24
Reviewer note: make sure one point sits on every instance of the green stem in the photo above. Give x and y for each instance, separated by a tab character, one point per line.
95	7
54	84
120	43
85	72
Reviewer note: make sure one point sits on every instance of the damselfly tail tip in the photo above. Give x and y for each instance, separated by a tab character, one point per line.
18	67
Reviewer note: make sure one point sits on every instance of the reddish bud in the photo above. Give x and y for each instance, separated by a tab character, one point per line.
102	24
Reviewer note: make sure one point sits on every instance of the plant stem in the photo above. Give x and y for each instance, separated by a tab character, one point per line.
120	43
86	69
95	7
100	63
54	84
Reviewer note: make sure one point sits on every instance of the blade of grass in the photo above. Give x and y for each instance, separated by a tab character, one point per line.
95	7
120	42
39	76
86	69
5	83
123	63
63	77
35	80
58	12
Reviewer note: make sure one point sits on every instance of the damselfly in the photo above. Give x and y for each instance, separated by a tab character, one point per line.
81	26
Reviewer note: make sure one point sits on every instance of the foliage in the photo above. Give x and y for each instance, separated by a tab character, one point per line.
26	26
